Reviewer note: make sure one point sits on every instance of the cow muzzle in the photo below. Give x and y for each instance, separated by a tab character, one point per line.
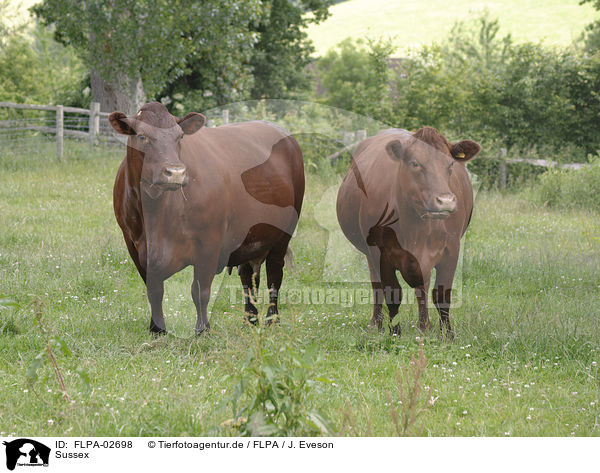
173	177
443	206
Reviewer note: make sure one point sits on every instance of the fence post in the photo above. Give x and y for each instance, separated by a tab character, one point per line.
60	130
225	114
348	138
502	168
94	126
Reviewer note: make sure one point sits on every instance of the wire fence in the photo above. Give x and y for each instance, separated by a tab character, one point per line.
26	128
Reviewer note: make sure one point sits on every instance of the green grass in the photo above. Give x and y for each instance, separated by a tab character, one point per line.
414	23
524	361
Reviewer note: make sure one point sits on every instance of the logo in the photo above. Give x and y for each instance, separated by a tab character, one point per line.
26	452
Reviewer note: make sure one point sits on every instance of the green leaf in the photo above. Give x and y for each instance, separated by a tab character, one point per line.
32	370
319	422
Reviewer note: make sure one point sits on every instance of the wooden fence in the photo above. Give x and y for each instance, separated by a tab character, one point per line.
350	138
59	129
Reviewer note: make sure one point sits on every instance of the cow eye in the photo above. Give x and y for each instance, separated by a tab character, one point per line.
414	164
142	137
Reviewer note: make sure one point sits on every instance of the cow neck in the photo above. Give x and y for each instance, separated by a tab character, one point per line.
135	162
411	230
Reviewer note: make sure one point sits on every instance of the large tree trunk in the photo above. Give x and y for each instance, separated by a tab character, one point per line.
125	94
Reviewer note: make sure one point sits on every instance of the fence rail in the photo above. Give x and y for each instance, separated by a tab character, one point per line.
68	122
95	126
88	128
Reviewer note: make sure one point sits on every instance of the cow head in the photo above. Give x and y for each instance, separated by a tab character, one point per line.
426	162
156	136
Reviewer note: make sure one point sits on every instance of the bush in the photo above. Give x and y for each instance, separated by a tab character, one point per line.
356	76
272	392
478	85
568	188
36	69
487	165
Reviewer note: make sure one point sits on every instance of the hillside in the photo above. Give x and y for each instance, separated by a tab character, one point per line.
416	22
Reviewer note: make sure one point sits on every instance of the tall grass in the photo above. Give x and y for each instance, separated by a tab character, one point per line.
525	359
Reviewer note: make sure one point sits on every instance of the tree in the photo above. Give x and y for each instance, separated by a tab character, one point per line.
591	35
134	48
33	67
274	67
284	50
356	76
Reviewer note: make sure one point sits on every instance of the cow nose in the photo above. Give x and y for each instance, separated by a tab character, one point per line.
175	175
445	203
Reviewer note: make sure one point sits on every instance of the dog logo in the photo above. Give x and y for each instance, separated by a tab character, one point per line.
26	452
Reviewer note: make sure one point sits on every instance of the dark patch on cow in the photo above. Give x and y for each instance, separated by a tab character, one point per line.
265	182
356	173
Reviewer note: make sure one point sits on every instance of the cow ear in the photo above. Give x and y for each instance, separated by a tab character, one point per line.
192	122
395	149
465	150
121	123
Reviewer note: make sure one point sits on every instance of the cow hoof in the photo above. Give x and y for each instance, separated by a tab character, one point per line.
201	330
425	327
396	330
251	309
271	317
156	330
450	335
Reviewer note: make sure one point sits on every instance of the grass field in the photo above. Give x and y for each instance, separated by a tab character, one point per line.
524	363
413	23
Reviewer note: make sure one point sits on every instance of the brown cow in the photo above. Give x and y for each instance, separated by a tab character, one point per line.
207	197
405	203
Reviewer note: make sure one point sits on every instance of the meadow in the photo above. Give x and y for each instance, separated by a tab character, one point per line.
524	362
412	23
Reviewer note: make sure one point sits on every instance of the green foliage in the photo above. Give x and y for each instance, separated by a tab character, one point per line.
283	50
7	324
54	343
569	188
7	302
477	84
413	398
591	37
522	94
275	64
356	76
272	390
525	361
154	39
36	69
518	174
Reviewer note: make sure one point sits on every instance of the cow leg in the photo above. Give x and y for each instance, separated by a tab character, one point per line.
136	258
392	293
442	292
204	274
155	288
275	263
421	292
378	296
250	283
